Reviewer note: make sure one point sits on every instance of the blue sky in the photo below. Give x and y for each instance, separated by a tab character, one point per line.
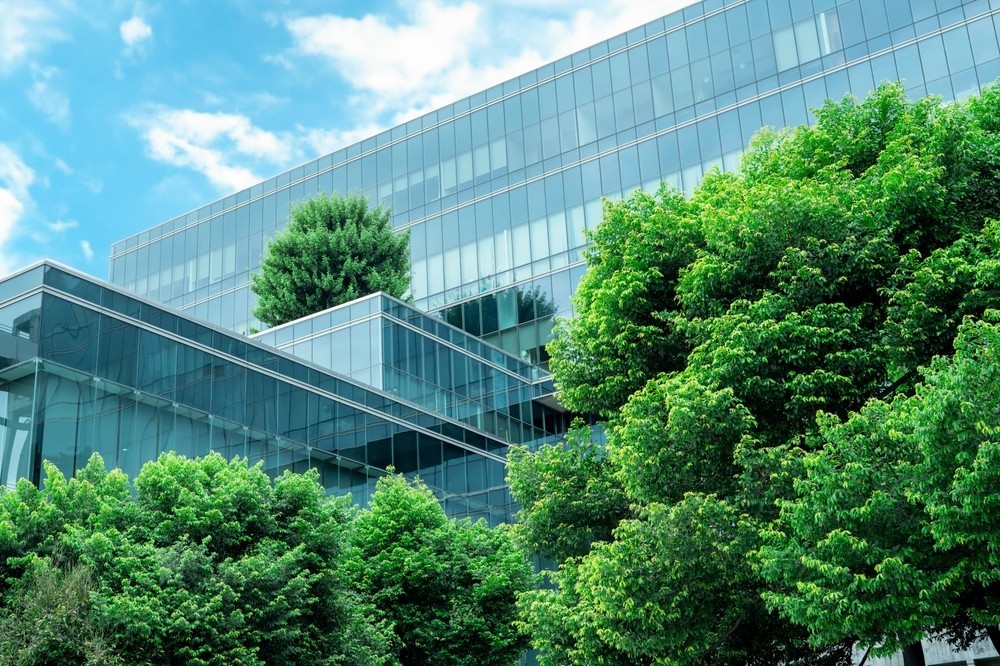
115	116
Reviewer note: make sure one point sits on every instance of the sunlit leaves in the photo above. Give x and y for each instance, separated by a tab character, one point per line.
448	588
763	342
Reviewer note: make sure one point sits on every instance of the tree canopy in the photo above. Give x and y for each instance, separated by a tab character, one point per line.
756	350
209	561
447	587
334	249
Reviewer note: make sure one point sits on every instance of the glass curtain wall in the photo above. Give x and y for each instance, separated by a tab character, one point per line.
498	188
94	370
387	344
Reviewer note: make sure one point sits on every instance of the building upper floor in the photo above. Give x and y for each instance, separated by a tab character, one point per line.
499	188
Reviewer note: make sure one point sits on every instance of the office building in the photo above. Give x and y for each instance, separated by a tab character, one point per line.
86	367
496	190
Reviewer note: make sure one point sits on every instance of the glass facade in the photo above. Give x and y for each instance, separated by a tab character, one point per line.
498	188
89	368
390	345
497	191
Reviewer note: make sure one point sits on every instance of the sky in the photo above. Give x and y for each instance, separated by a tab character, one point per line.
118	115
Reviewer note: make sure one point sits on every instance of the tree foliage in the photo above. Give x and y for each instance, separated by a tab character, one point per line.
448	587
756	350
208	561
890	533
574	498
334	249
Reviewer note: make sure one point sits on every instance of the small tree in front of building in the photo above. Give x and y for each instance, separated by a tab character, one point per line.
334	249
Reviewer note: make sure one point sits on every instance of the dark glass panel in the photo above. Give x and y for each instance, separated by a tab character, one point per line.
194	378
229	392
379	446
157	372
71	284
118	351
455	480
60	400
68	334
405	458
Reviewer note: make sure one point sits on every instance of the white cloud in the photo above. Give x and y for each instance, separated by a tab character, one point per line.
386	58
92	183
49	100
439	51
221	146
62	226
135	33
26	27
15	179
442	51
88	252
322	142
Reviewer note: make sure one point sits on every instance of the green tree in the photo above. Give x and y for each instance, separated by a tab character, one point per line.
46	619
235	569
622	336
334	249
209	563
711	333
448	587
575	500
890	534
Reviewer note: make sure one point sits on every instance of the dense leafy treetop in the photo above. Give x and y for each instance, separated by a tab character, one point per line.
734	342
447	587
806	281
620	337
891	532
574	498
334	249
209	563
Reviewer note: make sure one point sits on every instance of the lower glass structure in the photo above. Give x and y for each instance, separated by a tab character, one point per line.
387	344
88	368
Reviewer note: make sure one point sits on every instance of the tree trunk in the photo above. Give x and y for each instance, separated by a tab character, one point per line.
994	633
913	655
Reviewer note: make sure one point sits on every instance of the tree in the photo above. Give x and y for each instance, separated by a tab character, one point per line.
448	587
712	331
209	563
621	336
573	496
890	534
47	619
334	249
235	568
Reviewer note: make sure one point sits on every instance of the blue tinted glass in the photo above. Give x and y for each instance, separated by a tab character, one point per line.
875	20
780	13
118	351
718	33
852	27
983	36
697	39
68	333
958	49
932	56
